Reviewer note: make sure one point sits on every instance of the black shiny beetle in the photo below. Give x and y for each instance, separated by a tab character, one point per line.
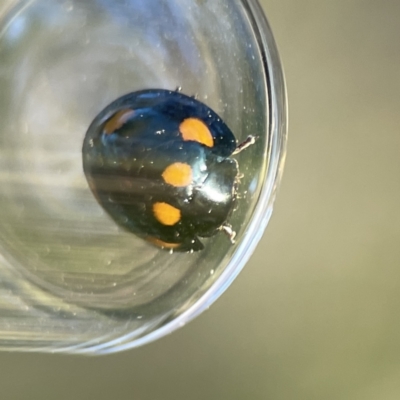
160	164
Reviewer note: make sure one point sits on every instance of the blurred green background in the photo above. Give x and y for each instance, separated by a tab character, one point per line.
314	313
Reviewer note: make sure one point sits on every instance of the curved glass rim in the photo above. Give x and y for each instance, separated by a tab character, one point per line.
277	130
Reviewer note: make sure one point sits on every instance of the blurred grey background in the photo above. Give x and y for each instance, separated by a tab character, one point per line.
314	313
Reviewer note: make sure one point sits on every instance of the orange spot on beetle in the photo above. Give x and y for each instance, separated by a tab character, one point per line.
196	130
118	120
166	214
162	244
178	174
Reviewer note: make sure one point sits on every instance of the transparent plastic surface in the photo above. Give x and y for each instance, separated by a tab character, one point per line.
70	278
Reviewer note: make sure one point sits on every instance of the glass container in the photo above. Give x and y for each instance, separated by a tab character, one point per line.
71	280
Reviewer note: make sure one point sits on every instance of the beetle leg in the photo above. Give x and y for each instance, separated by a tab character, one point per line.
244	145
227	229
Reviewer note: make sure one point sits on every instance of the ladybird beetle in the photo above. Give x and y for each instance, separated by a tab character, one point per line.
159	162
